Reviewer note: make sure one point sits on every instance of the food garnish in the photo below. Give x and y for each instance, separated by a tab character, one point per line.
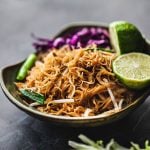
133	70
40	98
26	67
126	38
80	37
89	144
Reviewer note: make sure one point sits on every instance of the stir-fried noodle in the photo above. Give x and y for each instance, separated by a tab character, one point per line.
77	82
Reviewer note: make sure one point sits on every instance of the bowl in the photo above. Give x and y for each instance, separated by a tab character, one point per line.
8	76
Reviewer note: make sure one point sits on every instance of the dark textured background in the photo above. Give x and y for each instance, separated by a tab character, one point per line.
18	19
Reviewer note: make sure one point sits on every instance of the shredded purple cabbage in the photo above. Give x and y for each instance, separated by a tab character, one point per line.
79	38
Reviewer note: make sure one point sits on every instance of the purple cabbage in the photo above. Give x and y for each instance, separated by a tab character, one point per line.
82	37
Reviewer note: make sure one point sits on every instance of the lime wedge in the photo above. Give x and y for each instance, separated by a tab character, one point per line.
125	38
133	69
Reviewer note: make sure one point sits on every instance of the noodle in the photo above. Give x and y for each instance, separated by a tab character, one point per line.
77	82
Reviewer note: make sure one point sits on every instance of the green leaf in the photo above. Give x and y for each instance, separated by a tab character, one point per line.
33	95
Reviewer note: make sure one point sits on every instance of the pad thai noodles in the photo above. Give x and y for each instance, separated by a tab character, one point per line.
76	83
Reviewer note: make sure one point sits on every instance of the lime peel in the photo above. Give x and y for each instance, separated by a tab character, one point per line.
133	69
125	38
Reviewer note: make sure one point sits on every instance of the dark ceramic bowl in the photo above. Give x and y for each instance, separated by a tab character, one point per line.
8	76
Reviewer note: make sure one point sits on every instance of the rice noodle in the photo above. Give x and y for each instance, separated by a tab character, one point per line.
76	82
120	103
62	101
34	104
112	97
86	113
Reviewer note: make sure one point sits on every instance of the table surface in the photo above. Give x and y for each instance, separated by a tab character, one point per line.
20	18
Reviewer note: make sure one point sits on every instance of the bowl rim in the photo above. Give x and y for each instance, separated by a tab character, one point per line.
68	118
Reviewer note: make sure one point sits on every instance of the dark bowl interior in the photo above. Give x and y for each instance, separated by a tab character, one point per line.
8	76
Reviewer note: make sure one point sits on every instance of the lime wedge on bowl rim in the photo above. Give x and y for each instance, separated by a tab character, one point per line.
133	69
125	37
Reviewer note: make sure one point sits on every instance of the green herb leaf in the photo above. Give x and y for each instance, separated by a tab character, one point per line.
33	95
